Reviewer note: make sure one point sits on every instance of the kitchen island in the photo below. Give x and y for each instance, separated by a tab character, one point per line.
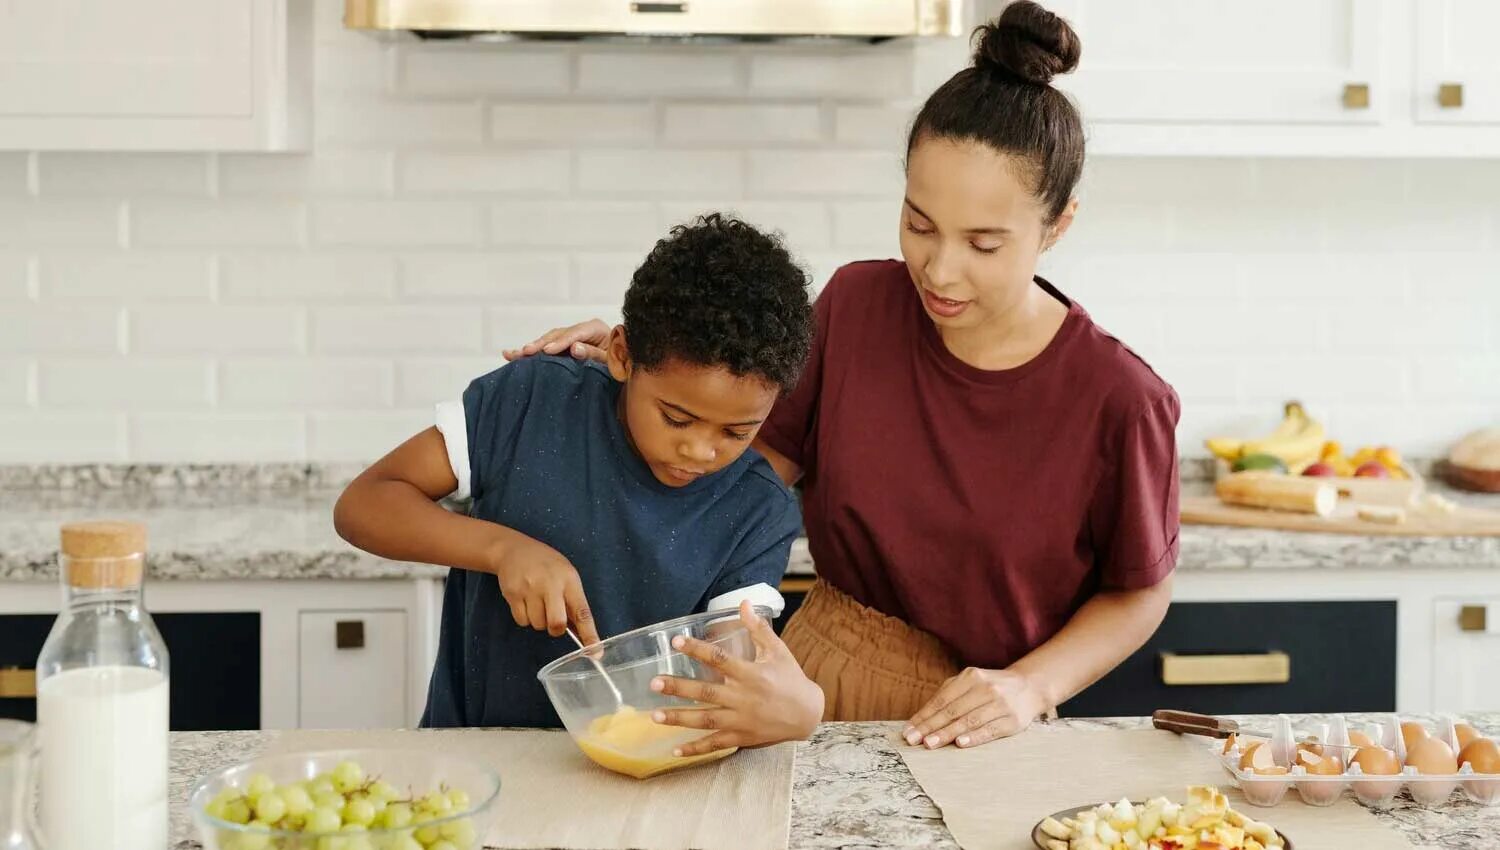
852	790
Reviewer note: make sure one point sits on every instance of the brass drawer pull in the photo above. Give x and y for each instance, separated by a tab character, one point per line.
1356	95
1473	618
797	584
1269	668
1451	95
16	683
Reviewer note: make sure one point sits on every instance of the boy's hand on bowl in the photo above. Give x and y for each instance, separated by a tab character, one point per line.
584	341
542	587
760	702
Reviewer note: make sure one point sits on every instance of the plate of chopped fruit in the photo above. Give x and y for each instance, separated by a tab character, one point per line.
1204	822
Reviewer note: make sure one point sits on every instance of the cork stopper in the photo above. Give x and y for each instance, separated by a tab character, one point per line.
103	554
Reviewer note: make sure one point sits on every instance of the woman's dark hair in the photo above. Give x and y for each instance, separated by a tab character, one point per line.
718	292
1005	100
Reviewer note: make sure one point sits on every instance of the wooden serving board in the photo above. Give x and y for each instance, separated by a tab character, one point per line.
1464	522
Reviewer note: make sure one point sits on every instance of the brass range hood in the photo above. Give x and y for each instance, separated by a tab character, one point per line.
751	20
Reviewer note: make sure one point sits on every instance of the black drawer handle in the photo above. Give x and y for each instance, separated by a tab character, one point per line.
349	634
1266	668
659	8
16	683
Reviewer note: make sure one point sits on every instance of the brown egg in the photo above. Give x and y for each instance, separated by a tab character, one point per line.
1257	757
1432	756
1360	739
1273	770
1410	732
1311	745
1466	734
1318	765
1482	754
1377	761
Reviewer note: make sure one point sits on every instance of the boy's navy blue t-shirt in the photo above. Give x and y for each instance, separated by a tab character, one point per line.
549	457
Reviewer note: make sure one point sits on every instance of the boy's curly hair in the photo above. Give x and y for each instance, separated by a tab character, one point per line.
718	292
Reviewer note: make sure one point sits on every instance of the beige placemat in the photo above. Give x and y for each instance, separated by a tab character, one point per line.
551	796
992	796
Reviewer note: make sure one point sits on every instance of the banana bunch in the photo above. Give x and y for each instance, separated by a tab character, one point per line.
1297	441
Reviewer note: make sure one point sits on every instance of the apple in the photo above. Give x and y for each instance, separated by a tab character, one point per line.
1372	469
1320	470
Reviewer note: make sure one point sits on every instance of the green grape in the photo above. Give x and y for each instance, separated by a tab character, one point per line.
359	811
354	827
270	807
426	834
249	841
298	801
460	799
384	790
406	842
215	808
333	843
321	784
331	800
397	816
460	832
322	819
442	845
258	785
359	842
438	804
348	776
237	811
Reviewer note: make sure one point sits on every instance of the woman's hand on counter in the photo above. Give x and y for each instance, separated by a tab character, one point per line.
976	707
760	702
584	341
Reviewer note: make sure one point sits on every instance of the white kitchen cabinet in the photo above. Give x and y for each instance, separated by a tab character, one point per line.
1466	654
1458	66
1192	61
155	74
352	669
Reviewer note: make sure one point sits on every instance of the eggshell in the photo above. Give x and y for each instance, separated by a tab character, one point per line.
1432	757
1229	743
1482	754
1377	761
1321	765
1466	734
1361	740
1411	731
1311	745
1257	757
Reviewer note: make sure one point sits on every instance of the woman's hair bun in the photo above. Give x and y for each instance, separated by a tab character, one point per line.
1029	43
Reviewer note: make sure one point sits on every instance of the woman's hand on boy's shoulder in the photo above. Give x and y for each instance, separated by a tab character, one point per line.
585	341
542	587
760	702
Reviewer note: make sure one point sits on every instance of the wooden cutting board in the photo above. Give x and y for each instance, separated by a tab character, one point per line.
1464	522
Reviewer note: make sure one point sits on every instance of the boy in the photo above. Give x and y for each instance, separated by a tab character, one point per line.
605	497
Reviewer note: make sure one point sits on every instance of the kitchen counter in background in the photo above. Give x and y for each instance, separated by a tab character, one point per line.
276	522
852	790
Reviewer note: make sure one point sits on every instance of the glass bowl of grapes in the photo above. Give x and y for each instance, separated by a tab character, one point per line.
347	800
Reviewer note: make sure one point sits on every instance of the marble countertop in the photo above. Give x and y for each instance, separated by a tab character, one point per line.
852	791
213	523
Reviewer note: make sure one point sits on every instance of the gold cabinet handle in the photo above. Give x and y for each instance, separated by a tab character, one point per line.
797	584
1451	95
1356	95
1473	618
16	683
1267	668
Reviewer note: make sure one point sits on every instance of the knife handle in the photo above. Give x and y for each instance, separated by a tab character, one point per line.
1188	723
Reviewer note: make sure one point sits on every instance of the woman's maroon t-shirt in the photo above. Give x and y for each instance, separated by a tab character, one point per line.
981	506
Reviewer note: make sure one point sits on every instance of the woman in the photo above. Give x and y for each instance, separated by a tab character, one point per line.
990	479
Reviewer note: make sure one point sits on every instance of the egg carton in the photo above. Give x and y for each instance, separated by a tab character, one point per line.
1373	790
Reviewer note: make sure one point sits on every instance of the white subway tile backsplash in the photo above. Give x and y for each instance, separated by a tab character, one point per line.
485	278
307	277
15	382
804	224
1326	380
14	174
1421	327
883	127
118	174
361	67
587	225
421	382
32	329
125	383
822	173
580	124
211	223
380	224
1352	181
1458	378
349	172
603	278
1472	275
885	72
44	436
509	327
1245	226
396	330
15	276
659	172
1216	181
532	172
1443	181
217	438
449	69
373	123
283	383
44	223
749	123
1314	280
1203	378
365	436
860	224
1119	226
126	276
659	72
1407	227
217	329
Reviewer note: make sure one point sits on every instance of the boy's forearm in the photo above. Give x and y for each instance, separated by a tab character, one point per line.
394	519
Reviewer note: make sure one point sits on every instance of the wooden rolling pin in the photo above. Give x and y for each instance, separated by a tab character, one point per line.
1261	489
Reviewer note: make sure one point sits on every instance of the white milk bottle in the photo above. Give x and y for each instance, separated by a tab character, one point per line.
102	700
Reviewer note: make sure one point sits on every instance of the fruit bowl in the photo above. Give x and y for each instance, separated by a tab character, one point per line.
617	732
432	799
